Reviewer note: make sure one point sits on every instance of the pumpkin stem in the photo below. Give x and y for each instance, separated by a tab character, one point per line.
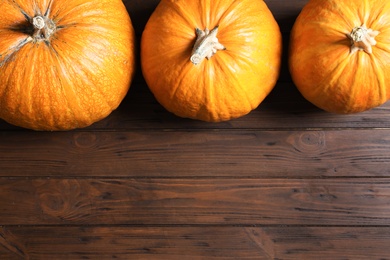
206	45
43	28
362	39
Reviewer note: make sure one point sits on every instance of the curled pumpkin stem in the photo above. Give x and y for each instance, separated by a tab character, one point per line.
206	45
43	28
362	39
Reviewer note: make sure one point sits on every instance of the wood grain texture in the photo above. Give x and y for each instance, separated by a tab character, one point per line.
287	181
196	243
196	202
215	153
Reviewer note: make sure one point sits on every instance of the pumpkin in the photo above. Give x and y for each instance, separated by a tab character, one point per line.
63	64
339	55
211	60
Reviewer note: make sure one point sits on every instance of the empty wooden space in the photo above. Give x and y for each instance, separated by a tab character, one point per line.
287	181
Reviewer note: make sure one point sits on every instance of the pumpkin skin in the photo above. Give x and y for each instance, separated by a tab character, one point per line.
229	84
72	72
330	68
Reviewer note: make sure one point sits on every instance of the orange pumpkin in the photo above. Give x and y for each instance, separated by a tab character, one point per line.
339	54
211	60
63	64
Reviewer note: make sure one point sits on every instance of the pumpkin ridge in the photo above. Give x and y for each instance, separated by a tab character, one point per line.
352	90
340	12
334	76
55	56
60	13
13	52
7	90
238	89
229	11
247	63
69	88
327	81
217	114
91	63
207	93
182	14
84	11
379	19
48	9
54	16
375	98
31	107
380	82
364	11
52	100
3	97
330	28
36	9
178	82
205	10
18	7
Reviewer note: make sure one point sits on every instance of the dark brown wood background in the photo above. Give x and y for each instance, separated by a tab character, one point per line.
287	181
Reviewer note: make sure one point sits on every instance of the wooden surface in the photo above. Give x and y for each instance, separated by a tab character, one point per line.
287	181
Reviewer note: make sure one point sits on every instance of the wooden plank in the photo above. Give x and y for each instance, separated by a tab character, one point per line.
195	243
154	153
287	181
195	202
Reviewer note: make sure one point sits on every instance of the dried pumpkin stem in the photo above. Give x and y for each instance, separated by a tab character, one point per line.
43	28
362	39
206	45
